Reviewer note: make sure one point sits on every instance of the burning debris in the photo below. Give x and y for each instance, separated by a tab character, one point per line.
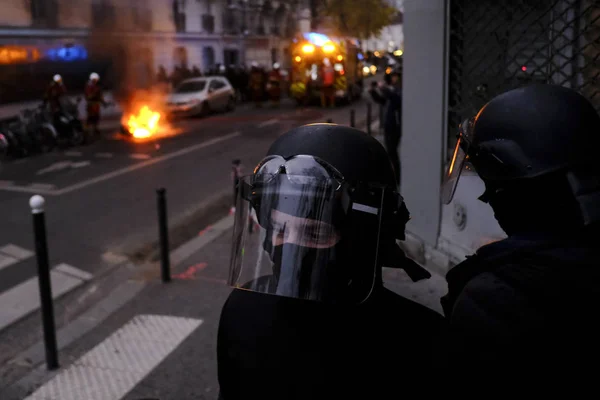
144	124
144	117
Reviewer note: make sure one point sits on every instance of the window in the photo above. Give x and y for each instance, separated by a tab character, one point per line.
44	13
103	14
191	87
179	15
208	23
216	84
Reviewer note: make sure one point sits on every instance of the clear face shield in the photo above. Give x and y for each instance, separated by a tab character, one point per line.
460	155
301	231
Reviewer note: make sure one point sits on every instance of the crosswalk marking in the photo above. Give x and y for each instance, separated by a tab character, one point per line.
42	186
24	298
114	367
11	254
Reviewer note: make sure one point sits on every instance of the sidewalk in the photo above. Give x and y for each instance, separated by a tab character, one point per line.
160	343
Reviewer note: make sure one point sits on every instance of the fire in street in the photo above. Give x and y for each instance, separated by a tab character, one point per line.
144	124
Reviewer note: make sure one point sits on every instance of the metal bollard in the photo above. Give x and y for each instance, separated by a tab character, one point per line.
163	235
352	118
45	284
329	121
369	120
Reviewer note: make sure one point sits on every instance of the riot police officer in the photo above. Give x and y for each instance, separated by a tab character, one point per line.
528	303
309	317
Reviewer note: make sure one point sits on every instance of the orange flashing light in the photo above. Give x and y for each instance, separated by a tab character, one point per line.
308	48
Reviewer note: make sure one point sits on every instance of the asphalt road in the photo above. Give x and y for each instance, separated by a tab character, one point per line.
100	198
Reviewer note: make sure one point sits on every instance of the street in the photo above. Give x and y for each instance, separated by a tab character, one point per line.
101	204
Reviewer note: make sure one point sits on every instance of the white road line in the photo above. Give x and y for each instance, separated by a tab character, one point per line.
140	156
50	190
28	189
41	186
104	155
15	251
114	367
57	166
7	261
80	164
23	299
74	272
268	122
73	153
143	164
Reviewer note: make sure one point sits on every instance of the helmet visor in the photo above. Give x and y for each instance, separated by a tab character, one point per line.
305	236
459	156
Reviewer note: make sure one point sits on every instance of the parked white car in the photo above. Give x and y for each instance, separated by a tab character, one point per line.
200	96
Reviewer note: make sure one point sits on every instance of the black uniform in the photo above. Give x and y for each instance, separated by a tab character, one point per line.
526	305
276	347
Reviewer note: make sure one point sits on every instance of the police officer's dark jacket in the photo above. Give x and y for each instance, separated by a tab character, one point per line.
527	303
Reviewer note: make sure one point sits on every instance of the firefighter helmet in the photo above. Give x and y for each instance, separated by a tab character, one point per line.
57	78
94	76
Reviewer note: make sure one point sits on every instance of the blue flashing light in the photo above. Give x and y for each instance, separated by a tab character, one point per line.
318	39
67	53
360	56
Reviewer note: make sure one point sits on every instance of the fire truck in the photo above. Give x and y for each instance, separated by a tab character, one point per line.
309	51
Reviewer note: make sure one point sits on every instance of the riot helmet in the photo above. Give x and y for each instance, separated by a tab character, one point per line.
325	203
538	142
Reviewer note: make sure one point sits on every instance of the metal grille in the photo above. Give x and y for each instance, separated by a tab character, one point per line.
498	45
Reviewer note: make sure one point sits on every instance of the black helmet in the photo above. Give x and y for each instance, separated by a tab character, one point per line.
530	133
325	202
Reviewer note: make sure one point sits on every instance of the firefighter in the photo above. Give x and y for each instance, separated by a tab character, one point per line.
94	99
328	89
274	85
256	84
54	93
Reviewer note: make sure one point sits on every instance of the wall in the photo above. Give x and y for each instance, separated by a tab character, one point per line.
15	13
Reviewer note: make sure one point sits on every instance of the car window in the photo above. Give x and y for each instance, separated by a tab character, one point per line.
190	87
214	84
219	84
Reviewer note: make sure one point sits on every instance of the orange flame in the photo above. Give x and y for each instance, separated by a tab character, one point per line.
144	124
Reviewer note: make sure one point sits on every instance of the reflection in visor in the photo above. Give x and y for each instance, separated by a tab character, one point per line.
300	169
459	156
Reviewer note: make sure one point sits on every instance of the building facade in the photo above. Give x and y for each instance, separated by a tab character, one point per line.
127	40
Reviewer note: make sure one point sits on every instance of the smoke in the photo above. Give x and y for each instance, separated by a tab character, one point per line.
117	42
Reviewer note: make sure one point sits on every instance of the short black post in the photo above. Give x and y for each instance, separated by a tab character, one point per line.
45	284
352	118
329	121
163	235
369	119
